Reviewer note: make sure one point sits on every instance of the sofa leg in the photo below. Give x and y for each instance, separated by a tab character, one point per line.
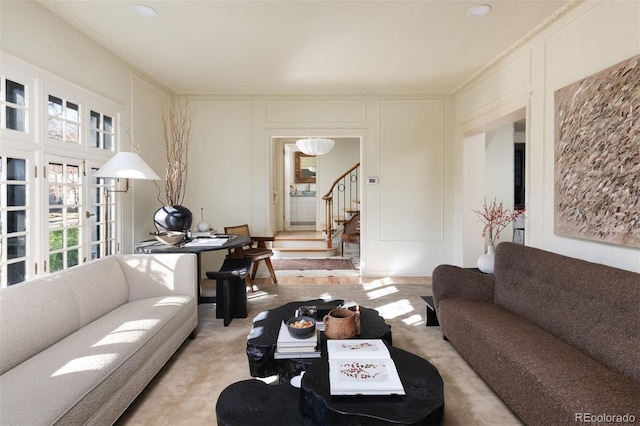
194	333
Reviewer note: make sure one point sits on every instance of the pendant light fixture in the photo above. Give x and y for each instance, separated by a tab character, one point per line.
315	146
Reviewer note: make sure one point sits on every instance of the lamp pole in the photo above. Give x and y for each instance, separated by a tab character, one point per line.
107	232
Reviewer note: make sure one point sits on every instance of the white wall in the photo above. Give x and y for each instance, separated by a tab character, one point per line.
147	196
403	143
473	172
591	37
499	153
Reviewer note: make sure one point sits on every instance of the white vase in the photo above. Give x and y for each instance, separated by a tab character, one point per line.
485	261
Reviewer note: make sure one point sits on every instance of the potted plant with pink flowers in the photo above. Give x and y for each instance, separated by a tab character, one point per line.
495	217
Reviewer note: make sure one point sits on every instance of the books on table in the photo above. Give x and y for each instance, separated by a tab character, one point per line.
288	346
362	367
213	241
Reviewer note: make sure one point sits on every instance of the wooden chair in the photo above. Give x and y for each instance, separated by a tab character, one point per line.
256	251
351	232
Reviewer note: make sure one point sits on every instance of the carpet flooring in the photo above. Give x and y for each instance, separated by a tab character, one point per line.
185	391
324	264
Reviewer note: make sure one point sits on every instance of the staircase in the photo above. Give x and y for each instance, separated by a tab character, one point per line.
342	201
301	244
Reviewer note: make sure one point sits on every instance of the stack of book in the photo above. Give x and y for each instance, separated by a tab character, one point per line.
288	346
362	367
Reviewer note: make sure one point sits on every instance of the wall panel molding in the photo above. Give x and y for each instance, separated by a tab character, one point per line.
316	111
412	173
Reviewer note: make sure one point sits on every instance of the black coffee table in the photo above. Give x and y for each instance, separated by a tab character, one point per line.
423	403
256	403
253	402
261	344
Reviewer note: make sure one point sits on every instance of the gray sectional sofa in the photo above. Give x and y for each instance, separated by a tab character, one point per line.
78	346
557	338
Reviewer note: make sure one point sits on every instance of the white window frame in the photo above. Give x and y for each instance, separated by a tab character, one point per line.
35	143
31	84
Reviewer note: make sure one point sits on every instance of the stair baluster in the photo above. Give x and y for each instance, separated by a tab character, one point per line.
344	192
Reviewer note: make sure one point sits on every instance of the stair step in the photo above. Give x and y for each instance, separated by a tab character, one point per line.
284	244
301	244
303	252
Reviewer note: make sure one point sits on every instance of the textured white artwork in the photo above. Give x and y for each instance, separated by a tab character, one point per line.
597	156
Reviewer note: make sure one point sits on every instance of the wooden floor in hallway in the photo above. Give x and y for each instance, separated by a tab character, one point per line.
343	280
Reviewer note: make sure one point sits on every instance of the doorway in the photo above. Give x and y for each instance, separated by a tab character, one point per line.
494	162
298	185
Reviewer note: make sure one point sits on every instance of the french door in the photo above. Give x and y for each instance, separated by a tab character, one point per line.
76	219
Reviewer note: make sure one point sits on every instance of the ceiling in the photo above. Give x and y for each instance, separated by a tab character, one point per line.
307	46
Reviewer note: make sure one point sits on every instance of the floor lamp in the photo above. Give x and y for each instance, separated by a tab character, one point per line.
123	165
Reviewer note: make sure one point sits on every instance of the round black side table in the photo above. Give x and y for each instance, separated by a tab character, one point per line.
423	403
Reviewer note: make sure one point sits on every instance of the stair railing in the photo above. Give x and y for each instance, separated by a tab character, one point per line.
343	194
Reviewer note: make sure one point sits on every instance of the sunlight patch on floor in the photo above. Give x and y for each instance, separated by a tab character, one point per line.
395	309
258	294
414	320
382	292
377	283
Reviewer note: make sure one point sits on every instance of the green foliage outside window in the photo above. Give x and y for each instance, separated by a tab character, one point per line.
56	242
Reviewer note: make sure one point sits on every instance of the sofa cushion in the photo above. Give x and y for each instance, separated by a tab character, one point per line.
543	379
591	306
78	375
99	287
33	316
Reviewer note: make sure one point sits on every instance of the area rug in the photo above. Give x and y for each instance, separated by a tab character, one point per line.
329	264
185	391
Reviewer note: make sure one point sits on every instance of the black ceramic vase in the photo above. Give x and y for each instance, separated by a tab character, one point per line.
173	218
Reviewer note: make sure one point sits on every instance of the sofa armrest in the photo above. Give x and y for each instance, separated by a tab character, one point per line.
450	281
151	275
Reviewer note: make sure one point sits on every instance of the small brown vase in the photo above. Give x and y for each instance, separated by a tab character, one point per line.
341	324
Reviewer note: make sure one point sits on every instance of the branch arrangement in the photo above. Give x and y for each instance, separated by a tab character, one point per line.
495	218
177	130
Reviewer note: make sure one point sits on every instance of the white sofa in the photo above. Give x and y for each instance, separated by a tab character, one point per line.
78	346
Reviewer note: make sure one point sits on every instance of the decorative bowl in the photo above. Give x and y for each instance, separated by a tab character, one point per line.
170	237
301	327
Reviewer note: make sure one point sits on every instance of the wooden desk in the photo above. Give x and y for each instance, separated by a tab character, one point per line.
235	244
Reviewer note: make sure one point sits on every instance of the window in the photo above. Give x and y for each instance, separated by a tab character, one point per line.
53	133
14	107
64	120
101	131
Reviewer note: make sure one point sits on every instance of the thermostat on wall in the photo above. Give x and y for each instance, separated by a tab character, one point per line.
372	180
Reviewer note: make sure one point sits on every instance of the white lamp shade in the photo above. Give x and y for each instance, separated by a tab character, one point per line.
126	165
315	146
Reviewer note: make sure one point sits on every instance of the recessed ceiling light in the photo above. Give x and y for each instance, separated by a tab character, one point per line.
480	10
144	10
